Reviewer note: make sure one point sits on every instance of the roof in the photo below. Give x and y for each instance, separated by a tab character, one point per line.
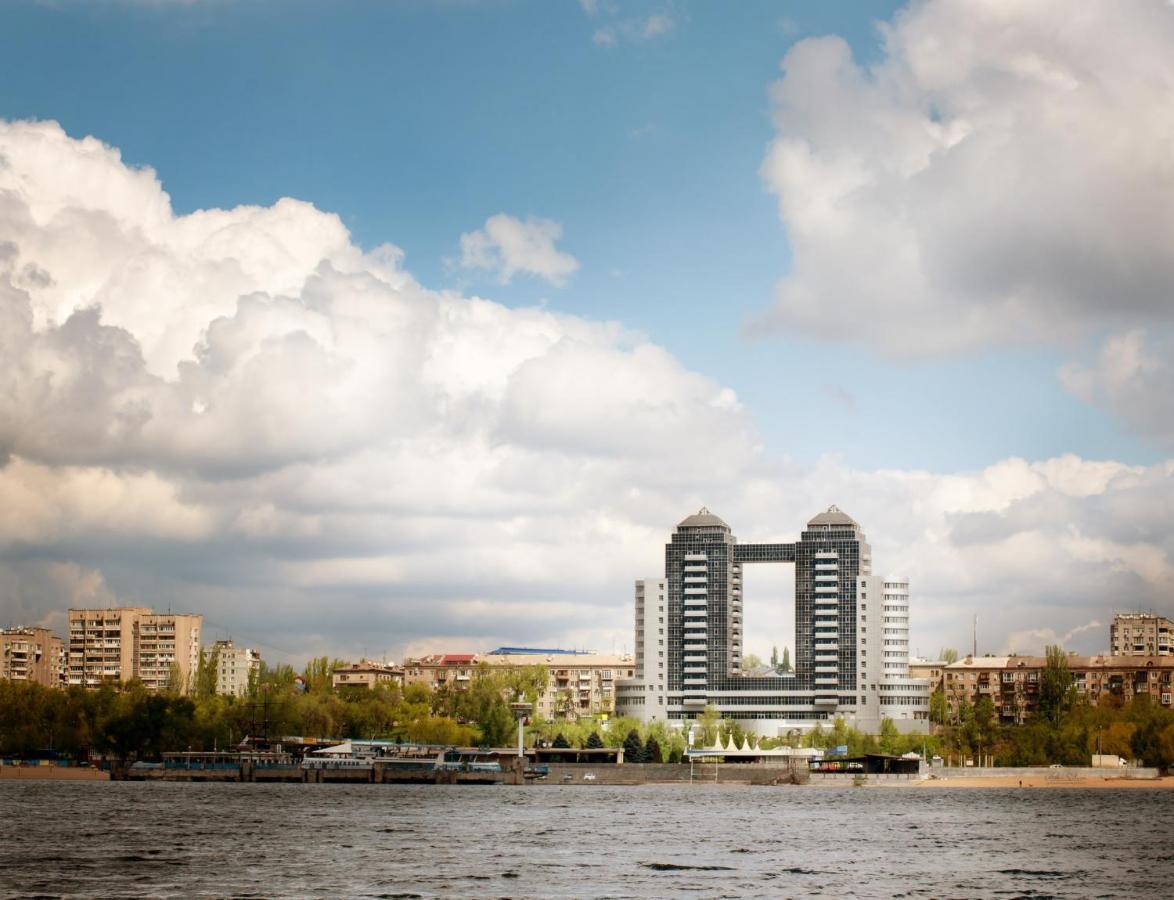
534	651
833	516
703	518
451	659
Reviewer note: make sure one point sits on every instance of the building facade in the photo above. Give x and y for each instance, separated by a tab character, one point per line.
647	688
124	643
840	656
1141	634
32	654
366	675
1012	683
237	668
577	684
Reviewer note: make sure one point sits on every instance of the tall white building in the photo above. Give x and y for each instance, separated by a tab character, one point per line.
644	695
234	668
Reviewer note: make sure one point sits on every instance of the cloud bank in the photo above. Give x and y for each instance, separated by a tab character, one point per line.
242	413
999	177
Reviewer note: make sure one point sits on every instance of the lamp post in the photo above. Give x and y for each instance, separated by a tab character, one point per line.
521	710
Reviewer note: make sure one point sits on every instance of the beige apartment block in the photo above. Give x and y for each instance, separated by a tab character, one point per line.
932	670
367	675
32	654
236	667
1141	634
577	684
1013	682
120	644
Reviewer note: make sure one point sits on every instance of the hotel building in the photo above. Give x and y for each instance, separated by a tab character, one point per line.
851	633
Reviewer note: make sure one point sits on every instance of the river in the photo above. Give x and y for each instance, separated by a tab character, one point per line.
62	839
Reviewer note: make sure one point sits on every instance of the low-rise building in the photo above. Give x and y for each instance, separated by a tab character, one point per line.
1013	682
931	670
1141	634
32	654
236	668
367	675
577	684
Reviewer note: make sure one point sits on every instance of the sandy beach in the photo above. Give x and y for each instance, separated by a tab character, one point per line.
1040	781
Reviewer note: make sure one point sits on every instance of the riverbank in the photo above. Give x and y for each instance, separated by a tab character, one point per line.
1046	782
52	773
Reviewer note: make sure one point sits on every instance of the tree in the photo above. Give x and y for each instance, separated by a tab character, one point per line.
594	741
633	747
560	741
939	707
948	655
206	670
751	662
889	736
774	657
1055	683
708	722
785	666
652	751
497	725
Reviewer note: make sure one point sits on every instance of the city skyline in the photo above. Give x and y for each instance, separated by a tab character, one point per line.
386	371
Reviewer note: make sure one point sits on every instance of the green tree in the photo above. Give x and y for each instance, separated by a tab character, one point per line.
708	723
774	657
948	655
939	707
497	725
889	737
206	671
560	741
633	747
785	666
594	741
1055	685
652	751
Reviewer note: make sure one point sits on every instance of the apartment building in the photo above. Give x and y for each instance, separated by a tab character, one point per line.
577	684
1141	634
367	675
32	654
236	667
132	642
1013	682
929	670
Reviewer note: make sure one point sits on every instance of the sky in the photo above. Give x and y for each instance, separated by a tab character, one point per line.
382	328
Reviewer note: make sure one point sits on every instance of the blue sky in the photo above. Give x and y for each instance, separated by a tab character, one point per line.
927	245
415	121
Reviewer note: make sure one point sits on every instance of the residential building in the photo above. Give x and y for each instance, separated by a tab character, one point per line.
236	668
366	675
577	684
1141	634
648	686
1013	682
840	667
124	643
32	654
931	670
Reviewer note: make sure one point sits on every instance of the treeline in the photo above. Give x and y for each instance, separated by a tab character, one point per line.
129	722
1066	729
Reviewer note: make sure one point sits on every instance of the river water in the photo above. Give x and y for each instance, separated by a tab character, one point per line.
61	839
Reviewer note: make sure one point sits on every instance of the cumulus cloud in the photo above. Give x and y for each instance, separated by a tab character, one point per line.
507	245
1131	378
241	413
1001	175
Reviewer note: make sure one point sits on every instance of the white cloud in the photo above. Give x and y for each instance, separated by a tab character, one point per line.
1132	379
508	245
1000	176
240	413
635	30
